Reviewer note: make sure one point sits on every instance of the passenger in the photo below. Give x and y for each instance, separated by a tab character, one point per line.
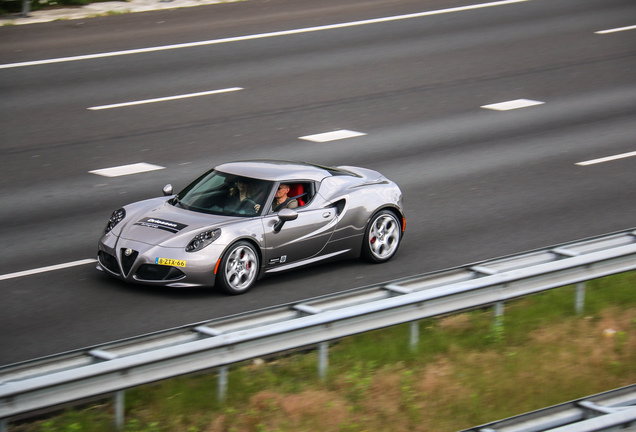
281	200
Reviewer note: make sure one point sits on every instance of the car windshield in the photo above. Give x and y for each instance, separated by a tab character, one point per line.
224	194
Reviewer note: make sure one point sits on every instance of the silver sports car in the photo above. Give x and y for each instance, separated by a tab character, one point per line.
242	220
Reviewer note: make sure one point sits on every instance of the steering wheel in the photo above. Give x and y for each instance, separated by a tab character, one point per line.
247	206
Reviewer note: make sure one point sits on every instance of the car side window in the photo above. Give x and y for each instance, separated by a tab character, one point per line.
299	191
303	192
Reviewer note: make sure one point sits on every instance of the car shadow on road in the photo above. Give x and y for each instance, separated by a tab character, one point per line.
279	288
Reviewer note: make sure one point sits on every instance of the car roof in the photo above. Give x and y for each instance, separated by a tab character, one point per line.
276	170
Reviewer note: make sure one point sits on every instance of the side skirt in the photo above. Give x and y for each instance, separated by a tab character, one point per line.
306	262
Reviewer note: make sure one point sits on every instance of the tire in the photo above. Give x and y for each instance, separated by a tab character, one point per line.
239	268
382	237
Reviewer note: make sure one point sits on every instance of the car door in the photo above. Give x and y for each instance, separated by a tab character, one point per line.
299	239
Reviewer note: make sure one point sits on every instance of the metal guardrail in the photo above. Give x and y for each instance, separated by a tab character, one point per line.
609	411
108	368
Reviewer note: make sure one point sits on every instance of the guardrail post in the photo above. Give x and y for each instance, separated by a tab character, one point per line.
415	335
222	384
499	310
119	410
580	297
498	320
323	359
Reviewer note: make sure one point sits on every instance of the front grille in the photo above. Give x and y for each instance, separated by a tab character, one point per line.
128	261
109	262
152	272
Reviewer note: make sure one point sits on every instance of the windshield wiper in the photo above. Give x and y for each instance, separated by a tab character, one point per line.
176	201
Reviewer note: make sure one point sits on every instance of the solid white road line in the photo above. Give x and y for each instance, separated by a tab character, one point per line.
512	105
607	159
126	169
262	35
163	99
332	136
616	30
47	269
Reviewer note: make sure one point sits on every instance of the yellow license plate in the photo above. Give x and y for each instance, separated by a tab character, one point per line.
170	262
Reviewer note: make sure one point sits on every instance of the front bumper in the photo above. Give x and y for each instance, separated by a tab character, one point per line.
137	262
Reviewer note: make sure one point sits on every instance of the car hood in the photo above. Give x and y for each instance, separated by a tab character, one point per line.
170	226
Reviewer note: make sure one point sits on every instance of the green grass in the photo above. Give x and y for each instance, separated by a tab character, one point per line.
466	371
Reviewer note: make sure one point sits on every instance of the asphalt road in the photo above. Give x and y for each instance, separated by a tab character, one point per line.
478	183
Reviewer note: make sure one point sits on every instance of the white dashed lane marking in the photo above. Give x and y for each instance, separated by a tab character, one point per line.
126	169
47	269
164	99
616	30
607	159
332	136
512	105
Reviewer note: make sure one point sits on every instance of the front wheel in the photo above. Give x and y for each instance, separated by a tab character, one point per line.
382	237
238	268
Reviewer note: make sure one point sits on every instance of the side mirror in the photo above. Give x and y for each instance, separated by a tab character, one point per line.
285	215
167	190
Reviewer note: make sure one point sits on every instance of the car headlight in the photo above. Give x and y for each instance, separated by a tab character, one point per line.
203	239
115	218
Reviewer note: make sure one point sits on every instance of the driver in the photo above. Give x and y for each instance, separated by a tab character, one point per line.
242	197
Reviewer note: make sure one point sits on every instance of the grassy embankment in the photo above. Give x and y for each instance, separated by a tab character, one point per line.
16	6
466	372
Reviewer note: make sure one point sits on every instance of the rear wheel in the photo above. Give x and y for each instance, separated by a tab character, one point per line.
238	269
382	237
